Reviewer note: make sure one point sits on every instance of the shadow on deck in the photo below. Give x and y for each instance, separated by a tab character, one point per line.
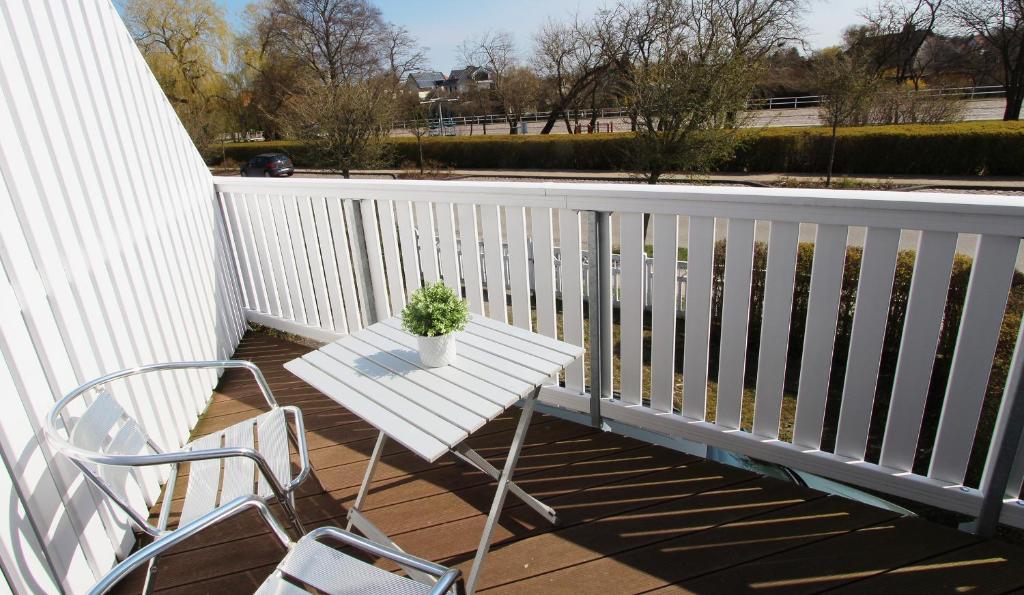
634	517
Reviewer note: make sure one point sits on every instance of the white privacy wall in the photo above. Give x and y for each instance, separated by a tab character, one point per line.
111	255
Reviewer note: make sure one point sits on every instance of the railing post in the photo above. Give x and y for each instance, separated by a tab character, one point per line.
360	259
1006	439
599	305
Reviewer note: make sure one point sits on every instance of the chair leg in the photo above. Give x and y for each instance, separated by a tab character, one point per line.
151	569
293	516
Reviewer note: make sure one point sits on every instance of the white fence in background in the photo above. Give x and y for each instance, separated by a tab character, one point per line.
304	266
112	254
768	103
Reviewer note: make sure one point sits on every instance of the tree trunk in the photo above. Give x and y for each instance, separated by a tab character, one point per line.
1014	96
345	173
419	146
831	159
556	112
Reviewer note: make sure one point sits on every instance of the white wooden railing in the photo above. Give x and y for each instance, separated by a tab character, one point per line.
616	272
321	257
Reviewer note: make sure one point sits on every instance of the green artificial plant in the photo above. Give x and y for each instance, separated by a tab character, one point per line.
435	310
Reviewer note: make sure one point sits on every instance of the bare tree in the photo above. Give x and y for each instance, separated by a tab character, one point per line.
1000	23
685	81
758	28
893	35
346	125
337	40
402	53
515	87
847	89
477	101
265	74
570	57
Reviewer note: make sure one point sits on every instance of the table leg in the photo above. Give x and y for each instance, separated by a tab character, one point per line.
503	487
357	520
371	467
472	457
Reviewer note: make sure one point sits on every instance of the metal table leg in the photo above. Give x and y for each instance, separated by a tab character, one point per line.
371	468
357	520
472	457
504	484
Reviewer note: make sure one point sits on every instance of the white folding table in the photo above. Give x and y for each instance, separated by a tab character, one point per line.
377	374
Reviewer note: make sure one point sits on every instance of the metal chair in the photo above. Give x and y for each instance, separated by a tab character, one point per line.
115	453
309	562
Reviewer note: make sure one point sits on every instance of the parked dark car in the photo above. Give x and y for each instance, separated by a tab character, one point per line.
268	165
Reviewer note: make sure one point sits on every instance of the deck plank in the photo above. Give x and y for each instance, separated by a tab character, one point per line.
983	567
836	561
634	516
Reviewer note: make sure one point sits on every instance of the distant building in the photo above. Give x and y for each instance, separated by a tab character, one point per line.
424	83
463	79
893	54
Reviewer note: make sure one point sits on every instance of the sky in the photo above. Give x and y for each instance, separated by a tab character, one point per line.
442	25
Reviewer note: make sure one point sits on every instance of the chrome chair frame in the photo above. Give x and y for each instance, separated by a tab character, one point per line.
84	459
448	579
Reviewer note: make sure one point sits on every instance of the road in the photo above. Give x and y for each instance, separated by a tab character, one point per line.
978	109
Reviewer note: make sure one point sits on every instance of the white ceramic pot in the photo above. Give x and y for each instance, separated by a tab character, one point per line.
438	351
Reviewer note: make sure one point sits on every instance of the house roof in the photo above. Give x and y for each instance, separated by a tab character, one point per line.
466	73
427	79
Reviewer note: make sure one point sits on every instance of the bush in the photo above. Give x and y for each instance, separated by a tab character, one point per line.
242	152
961	149
557	151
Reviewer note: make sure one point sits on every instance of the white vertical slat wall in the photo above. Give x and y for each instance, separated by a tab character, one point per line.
112	254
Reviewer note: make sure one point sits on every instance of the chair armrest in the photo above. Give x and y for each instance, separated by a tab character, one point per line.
449	580
188	456
447	577
175	537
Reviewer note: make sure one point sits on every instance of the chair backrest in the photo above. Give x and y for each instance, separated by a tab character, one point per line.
105	429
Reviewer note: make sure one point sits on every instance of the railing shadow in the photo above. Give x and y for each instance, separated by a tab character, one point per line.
656	516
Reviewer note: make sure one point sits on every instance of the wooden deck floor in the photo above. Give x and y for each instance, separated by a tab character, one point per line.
635	517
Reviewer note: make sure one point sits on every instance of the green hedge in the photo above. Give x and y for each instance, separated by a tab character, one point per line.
962	149
237	153
555	151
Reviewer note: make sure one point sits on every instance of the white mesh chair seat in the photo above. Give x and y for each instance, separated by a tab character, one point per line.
211	485
309	565
330	571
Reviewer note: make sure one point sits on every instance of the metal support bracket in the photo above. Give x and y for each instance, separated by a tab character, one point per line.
599	308
1005	451
472	457
360	259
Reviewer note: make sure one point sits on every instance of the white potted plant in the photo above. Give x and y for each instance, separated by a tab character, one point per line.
434	314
